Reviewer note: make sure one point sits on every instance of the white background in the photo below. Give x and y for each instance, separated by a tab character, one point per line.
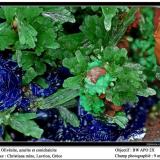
83	152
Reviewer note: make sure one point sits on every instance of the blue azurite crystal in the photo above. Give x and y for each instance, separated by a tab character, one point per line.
54	79
138	116
90	128
24	104
42	140
95	130
10	84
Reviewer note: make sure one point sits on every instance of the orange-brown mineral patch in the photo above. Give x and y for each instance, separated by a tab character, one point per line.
157	43
95	73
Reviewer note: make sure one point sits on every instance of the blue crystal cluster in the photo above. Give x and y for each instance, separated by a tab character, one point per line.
10	84
90	128
54	79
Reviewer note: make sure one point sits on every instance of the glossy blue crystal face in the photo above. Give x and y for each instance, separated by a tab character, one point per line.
10	84
24	104
54	79
95	130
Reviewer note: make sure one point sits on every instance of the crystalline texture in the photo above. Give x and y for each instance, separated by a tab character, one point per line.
10	84
55	81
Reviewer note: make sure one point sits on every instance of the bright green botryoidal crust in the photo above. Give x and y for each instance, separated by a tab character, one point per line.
122	82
